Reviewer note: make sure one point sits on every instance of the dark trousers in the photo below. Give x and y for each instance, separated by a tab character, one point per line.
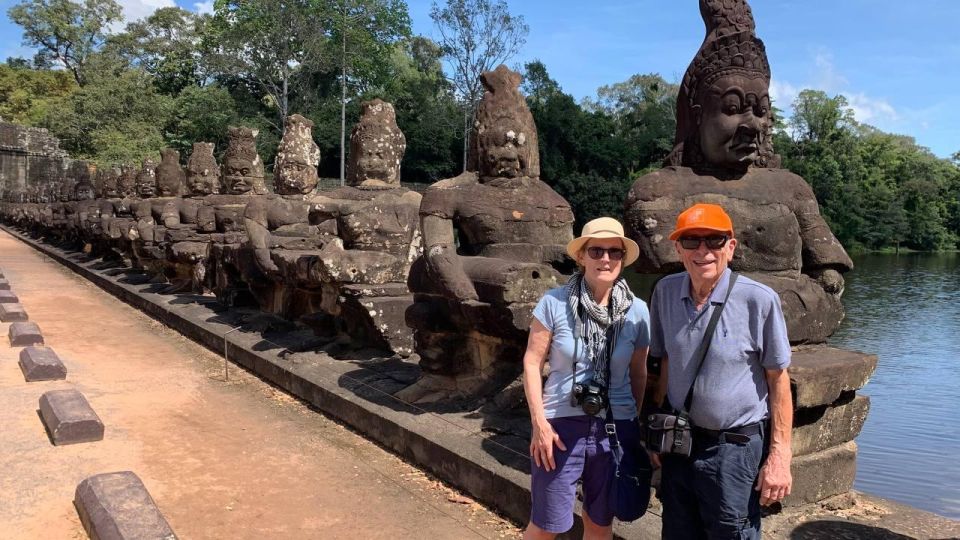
711	494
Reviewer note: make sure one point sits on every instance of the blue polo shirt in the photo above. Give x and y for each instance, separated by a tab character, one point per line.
555	314
751	336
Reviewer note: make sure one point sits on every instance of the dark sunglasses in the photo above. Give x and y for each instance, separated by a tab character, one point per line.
596	253
712	242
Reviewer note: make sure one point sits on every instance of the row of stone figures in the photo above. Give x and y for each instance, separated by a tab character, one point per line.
452	275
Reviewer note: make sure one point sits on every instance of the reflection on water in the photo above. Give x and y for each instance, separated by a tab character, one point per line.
906	309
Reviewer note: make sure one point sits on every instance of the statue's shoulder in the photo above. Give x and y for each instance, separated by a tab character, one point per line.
660	182
464	180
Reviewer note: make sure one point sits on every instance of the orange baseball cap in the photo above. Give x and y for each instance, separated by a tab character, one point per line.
702	216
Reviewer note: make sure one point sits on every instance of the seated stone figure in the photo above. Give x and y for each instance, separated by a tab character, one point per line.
724	155
364	268
494	240
280	235
117	218
148	239
187	222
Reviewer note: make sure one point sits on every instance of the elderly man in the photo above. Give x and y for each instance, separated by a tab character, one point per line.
741	408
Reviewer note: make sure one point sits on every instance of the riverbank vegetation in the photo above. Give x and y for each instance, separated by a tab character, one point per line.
114	94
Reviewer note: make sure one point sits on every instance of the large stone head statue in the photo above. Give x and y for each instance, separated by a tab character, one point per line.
84	191
376	146
146	179
203	173
242	168
295	171
723	108
170	175
66	191
505	142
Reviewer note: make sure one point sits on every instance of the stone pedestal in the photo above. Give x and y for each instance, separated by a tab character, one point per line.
24	334
4	284
13	313
68	417
828	415
7	297
41	364
117	506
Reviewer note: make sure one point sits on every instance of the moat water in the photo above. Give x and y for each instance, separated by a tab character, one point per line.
906	309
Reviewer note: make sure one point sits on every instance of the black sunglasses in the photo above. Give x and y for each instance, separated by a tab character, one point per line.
596	253
712	242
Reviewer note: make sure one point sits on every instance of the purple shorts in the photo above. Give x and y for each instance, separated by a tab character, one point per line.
587	457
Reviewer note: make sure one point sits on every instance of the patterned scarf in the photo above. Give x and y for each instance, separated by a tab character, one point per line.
593	328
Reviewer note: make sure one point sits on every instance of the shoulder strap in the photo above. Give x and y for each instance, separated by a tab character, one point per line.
701	353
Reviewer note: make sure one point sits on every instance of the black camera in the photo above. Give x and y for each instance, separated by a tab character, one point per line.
590	396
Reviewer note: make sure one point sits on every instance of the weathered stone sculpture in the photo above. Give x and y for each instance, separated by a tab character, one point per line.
364	268
494	241
242	167
724	155
203	173
280	235
154	213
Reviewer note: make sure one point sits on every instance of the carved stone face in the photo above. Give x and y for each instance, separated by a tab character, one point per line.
296	176
733	120
147	179
203	173
66	190
376	146
242	168
108	186
503	151
84	192
297	159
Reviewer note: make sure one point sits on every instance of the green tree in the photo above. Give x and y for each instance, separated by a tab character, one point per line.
201	114
67	33
167	45
476	36
269	43
26	95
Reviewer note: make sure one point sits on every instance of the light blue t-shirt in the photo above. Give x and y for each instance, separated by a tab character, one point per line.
555	314
751	337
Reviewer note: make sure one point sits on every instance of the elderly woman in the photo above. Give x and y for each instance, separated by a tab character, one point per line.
596	335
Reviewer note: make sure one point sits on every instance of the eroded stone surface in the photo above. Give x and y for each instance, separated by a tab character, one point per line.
117	506
4	284
823	474
41	364
23	334
13	313
818	375
68	417
823	427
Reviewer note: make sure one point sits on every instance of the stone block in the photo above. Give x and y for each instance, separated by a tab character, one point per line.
817	429
4	284
24	334
818	375
823	474
41	364
68	417
13	313
117	506
7	297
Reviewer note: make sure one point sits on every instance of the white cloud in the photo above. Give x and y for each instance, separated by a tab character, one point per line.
134	10
203	7
872	110
783	93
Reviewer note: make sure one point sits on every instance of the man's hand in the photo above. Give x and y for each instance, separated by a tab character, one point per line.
775	480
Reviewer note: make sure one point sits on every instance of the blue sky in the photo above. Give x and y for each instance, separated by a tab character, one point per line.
898	63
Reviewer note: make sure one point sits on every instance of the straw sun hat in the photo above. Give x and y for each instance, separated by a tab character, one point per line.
604	228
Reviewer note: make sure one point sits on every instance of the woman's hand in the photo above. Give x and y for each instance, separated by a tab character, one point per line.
541	445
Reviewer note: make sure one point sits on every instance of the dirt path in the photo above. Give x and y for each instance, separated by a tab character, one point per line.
223	459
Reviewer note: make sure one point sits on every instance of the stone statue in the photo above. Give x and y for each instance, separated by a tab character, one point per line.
281	237
203	173
494	241
154	214
365	267
242	167
724	155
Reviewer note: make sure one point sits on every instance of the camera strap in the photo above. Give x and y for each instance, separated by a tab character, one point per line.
701	353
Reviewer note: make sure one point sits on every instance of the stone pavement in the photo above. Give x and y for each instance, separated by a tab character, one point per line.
222	459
